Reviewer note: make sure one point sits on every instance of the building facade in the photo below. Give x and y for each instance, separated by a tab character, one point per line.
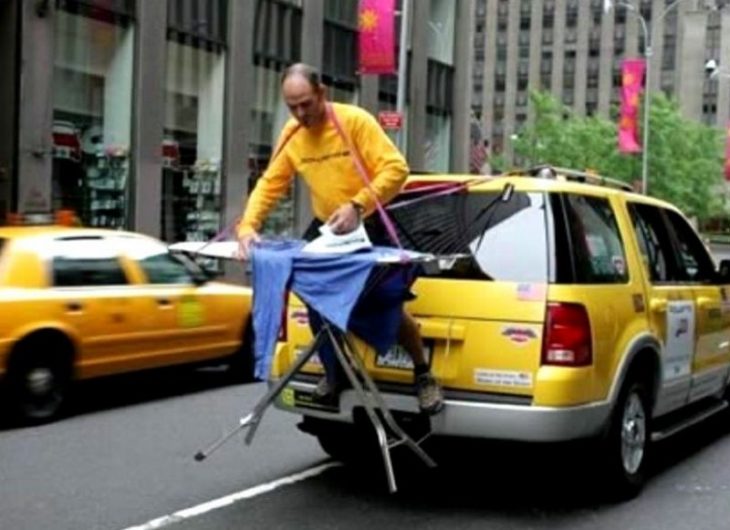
159	116
574	49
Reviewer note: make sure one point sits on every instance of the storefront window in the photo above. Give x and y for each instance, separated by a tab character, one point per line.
268	117
92	106
193	138
438	133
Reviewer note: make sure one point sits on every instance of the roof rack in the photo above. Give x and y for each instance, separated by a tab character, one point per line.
548	171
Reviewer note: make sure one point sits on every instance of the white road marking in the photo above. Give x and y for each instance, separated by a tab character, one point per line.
209	506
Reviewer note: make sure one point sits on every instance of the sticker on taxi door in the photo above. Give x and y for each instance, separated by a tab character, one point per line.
680	339
190	312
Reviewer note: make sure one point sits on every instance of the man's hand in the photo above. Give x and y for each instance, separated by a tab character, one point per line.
244	244
345	219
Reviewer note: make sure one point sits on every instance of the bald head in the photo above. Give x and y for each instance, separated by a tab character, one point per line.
304	94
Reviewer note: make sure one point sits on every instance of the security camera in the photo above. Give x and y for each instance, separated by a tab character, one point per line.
711	68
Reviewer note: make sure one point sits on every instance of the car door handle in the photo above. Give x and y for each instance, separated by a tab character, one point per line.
74	307
705	302
658	305
164	302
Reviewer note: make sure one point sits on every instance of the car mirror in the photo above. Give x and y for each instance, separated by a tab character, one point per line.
723	271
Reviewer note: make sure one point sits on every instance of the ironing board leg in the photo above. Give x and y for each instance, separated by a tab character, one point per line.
380	403
372	400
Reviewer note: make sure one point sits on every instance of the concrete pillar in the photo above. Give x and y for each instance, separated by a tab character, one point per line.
723	88
510	89
581	58
418	85
490	64
558	50
461	118
692	60
148	117
535	61
35	116
9	12
605	64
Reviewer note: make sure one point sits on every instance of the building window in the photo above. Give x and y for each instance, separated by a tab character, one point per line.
92	111
193	124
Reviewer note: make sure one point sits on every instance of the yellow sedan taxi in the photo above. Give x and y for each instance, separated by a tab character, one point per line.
79	303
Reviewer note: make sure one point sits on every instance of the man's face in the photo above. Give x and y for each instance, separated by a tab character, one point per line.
305	102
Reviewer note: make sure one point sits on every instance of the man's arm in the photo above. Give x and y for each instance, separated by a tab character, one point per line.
272	185
386	166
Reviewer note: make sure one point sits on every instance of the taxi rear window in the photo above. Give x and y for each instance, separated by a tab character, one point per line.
502	234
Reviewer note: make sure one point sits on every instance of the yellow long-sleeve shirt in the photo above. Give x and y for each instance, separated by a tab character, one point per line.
321	156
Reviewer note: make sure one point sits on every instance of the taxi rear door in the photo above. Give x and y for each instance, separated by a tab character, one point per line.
670	304
712	340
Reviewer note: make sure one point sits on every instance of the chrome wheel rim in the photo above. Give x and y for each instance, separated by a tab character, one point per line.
633	434
40	381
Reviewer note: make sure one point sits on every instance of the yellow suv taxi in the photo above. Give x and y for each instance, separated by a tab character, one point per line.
583	311
78	303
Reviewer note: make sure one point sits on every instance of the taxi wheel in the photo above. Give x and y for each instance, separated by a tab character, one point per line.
628	442
38	383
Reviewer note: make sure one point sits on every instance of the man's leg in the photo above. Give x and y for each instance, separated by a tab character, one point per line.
430	396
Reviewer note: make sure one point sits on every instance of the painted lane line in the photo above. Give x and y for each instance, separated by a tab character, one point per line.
221	502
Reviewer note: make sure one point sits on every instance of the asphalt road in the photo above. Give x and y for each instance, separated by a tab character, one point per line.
124	459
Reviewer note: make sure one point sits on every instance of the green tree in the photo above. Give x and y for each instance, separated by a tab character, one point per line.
685	157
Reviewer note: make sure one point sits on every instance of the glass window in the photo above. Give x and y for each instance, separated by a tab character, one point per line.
436	149
655	243
441	31
595	241
486	226
193	134
92	103
86	262
694	259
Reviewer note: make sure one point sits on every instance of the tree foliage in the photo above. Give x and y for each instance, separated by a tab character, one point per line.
685	157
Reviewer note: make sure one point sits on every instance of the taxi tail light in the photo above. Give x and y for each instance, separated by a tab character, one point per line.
567	339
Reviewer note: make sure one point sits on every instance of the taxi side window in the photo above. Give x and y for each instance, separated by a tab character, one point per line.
85	262
694	259
655	243
596	243
165	269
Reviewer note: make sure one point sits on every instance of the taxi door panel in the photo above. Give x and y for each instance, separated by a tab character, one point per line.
712	349
671	308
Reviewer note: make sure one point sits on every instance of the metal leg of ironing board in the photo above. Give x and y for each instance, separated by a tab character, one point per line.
252	420
372	400
403	438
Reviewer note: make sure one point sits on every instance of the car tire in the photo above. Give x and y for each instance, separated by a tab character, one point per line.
242	364
627	443
38	381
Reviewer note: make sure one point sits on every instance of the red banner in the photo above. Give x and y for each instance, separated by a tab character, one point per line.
727	155
632	76
376	24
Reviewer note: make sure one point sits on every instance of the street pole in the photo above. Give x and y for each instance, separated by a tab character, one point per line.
647	84
400	102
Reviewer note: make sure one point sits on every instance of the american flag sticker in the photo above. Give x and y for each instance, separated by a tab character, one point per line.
531	291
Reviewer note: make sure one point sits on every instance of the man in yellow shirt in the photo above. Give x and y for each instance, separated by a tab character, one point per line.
311	146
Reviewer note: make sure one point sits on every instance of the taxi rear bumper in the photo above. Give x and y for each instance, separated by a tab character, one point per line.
471	418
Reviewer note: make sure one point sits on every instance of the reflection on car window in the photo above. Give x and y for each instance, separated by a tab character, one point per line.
654	243
503	233
158	264
596	243
694	259
164	268
86	262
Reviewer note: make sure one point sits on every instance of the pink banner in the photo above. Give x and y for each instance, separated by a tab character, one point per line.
376	21
632	77
727	154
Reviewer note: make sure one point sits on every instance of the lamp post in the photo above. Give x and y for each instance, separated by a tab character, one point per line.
647	91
